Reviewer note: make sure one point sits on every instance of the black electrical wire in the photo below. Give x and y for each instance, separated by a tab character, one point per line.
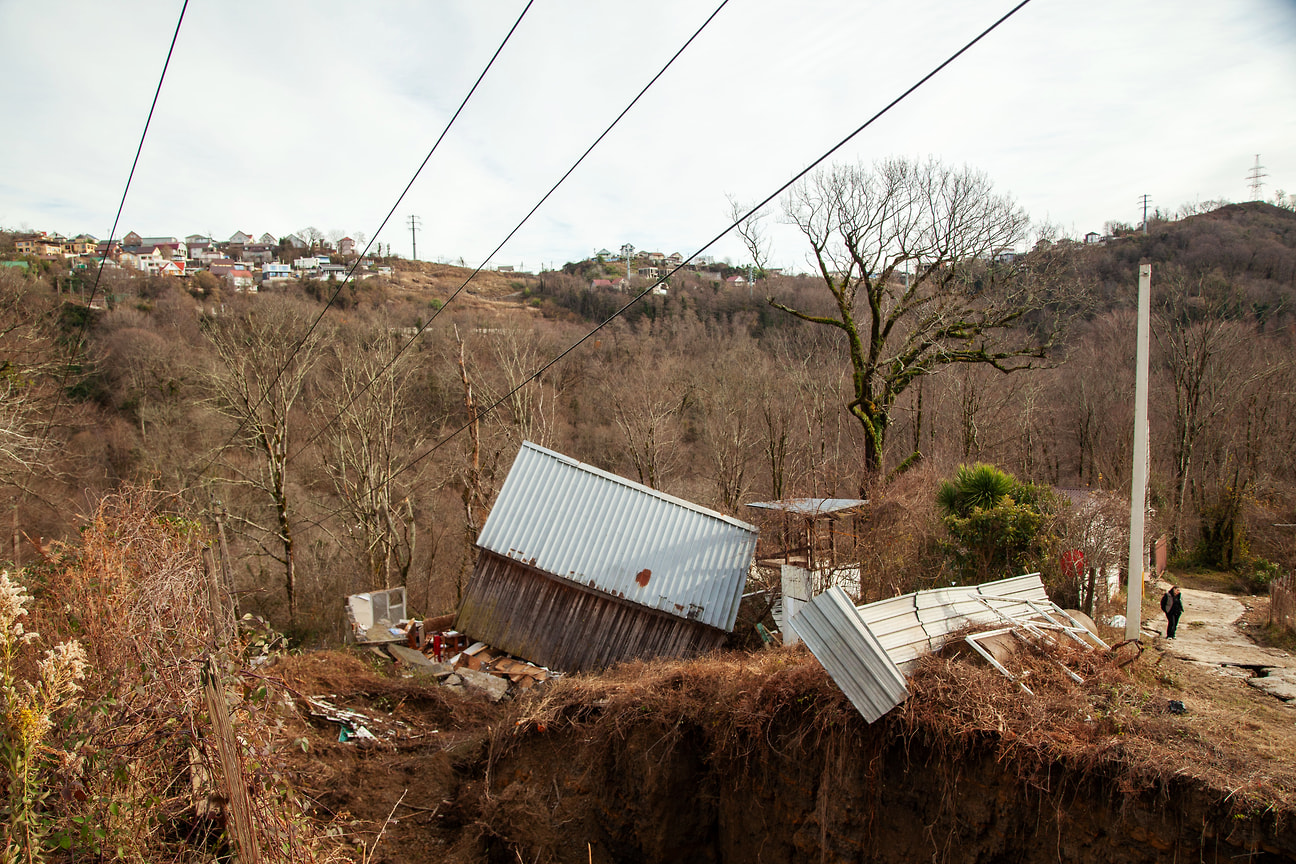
85	321
779	191
386	219
516	228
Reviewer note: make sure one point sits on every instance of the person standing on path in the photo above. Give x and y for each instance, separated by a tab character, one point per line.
1172	606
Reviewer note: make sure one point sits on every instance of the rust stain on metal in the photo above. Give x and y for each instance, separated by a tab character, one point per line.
643	577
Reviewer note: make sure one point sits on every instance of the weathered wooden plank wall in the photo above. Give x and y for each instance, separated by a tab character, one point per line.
534	615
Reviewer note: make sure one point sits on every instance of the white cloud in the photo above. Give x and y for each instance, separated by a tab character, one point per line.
276	116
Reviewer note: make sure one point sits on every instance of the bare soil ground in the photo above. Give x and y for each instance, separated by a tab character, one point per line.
452	777
440	280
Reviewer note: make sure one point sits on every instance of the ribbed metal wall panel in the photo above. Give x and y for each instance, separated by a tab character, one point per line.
852	655
557	623
608	533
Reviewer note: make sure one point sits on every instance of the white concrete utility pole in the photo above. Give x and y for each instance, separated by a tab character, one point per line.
1138	486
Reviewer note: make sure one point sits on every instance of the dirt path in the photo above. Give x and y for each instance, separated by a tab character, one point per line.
1208	635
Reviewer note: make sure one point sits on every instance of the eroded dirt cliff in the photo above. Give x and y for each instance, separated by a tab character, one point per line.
759	758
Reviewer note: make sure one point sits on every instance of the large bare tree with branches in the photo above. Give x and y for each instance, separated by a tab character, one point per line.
907	251
265	352
31	364
369	449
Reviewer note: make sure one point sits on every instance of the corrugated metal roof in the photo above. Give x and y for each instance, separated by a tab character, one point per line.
810	506
914	624
606	532
852	655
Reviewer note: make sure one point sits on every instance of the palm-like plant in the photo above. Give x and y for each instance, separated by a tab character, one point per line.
974	486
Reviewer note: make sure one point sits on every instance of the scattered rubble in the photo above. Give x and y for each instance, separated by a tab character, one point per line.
357	725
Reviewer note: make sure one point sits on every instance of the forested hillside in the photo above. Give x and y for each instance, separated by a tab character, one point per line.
335	462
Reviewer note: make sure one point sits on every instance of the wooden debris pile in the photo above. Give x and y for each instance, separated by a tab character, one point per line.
480	657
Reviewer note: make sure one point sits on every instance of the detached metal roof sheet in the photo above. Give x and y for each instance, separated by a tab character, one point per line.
599	530
810	506
914	624
852	655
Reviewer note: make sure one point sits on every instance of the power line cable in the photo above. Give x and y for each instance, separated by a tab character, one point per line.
779	191
516	228
85	321
342	284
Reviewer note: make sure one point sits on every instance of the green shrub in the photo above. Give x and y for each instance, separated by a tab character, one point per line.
998	527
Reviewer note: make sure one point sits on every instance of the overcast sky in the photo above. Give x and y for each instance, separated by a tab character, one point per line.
280	115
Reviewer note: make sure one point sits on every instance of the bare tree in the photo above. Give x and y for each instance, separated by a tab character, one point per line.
751	230
265	356
369	447
649	403
532	406
31	366
728	432
1203	346
907	250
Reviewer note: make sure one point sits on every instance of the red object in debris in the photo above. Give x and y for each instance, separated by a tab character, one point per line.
437	647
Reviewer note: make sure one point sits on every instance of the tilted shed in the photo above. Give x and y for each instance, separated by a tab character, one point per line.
578	568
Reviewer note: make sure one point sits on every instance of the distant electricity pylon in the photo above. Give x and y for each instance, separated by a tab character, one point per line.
415	223
1256	177
1144	200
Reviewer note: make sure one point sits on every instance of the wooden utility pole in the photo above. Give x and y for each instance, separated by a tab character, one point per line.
238	803
1138	485
226	569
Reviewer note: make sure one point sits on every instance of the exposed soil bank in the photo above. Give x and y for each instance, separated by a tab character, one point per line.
659	794
750	758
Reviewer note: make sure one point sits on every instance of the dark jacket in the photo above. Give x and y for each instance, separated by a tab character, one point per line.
1172	604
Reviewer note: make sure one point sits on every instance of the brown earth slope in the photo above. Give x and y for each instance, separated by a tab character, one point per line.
758	757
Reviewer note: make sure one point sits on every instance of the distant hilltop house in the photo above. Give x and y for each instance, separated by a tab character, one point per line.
260	253
346	246
82	244
152	255
610	284
648	272
236	274
239	238
202	249
315	262
168	247
275	270
735	282
44	245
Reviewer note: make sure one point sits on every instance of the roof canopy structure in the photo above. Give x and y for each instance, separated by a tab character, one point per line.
810	507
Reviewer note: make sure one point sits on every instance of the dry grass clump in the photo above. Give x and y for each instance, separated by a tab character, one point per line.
138	776
901	536
1117	725
737	698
